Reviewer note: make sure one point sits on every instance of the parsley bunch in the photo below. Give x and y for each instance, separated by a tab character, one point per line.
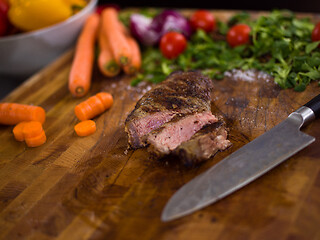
281	46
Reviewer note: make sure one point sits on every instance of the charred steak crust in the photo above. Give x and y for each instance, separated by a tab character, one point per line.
181	93
181	90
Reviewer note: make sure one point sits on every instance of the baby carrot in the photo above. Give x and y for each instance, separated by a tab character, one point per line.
89	108
106	99
32	129
93	106
85	128
13	113
115	36
135	64
81	69
18	131
82	111
36	140
106	62
31	132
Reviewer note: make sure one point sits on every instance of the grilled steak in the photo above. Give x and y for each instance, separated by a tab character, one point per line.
175	118
204	144
180	93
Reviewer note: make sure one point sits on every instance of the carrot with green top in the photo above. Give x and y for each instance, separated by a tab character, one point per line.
82	64
93	106
115	36
13	113
134	66
85	128
106	62
135	63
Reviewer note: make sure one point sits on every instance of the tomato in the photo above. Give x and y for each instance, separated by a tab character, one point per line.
4	7
315	35
4	24
172	44
239	34
203	19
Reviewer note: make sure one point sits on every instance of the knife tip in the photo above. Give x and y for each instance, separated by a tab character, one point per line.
165	217
169	214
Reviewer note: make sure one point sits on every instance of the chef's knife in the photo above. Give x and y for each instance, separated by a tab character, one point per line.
246	164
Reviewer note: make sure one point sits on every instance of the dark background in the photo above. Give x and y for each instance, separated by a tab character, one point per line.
312	6
294	5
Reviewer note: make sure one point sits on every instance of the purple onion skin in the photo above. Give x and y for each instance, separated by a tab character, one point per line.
170	20
158	20
140	29
149	31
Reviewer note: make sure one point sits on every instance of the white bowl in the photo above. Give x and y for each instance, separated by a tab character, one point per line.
24	54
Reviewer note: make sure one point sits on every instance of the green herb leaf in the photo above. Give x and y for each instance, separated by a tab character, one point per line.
311	46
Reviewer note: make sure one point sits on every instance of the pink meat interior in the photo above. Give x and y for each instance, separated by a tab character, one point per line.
177	132
151	122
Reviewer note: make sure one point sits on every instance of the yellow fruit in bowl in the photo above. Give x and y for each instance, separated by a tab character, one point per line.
29	15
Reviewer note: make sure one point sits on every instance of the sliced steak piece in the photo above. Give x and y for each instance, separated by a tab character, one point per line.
181	93
140	127
168	137
204	144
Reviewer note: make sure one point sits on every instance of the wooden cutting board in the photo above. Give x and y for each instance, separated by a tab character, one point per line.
94	188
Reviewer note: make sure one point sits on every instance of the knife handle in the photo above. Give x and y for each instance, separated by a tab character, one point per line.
307	113
314	105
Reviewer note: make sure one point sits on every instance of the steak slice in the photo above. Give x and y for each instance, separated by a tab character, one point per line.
204	144
168	137
181	93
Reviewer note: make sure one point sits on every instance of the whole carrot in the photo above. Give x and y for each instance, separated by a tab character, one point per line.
13	113
106	62
93	106
135	64
115	36
81	69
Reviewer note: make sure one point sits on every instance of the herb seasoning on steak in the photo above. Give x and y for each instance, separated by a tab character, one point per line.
172	118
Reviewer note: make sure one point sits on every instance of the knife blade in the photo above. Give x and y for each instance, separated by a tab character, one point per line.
246	164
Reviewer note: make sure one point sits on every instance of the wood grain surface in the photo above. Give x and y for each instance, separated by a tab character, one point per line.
94	188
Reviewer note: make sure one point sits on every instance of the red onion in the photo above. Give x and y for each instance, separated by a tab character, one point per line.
149	31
